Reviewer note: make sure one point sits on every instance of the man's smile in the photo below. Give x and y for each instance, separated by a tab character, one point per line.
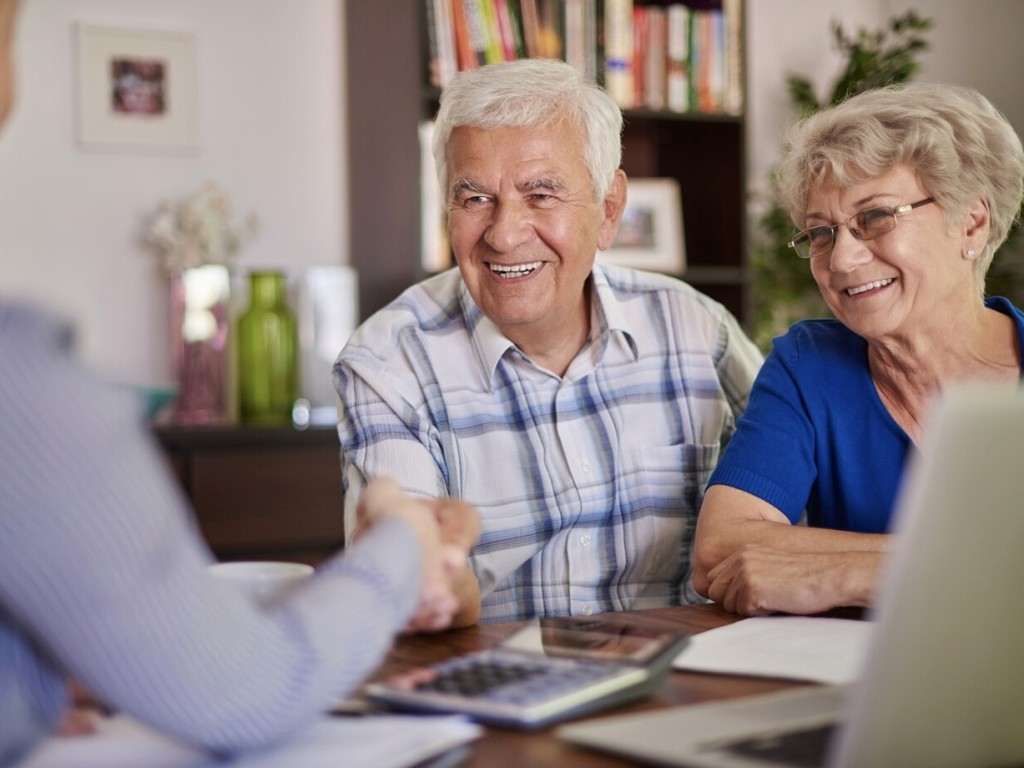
509	271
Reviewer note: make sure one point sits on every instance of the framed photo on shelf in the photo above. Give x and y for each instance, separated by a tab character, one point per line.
651	231
136	89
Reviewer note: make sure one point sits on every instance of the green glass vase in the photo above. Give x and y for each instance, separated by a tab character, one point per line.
267	353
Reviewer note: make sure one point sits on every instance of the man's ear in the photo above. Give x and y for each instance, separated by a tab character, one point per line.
612	206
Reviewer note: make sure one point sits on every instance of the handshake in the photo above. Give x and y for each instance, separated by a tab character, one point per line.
447	530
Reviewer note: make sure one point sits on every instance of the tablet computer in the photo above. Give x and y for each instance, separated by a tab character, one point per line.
550	670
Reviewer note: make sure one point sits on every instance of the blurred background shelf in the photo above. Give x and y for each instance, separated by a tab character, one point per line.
261	492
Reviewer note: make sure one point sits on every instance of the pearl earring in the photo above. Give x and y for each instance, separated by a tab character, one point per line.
970	253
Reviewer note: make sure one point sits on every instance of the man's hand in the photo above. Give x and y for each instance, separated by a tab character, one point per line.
447	529
460	528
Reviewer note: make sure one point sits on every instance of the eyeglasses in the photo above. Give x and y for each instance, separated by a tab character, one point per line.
866	225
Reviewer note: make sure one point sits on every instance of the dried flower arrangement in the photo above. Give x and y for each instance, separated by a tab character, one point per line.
198	231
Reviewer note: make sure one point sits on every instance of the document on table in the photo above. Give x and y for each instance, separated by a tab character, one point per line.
378	741
818	649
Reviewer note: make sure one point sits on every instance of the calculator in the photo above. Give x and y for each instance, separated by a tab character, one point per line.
552	669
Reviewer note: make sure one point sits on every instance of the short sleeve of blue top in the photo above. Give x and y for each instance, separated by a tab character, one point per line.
816	435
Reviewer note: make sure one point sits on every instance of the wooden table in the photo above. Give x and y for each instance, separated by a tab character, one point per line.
501	747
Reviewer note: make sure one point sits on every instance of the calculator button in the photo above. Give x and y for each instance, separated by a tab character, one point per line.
508	679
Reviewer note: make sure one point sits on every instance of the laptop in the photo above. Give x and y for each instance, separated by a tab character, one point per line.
551	669
944	676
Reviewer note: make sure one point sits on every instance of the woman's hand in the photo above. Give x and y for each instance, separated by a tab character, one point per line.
756	580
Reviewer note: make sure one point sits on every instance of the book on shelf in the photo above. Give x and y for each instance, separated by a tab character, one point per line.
593	39
700	56
494	50
441	42
618	52
677	96
465	55
551	29
509	29
672	56
479	35
574	51
639	47
530	18
656	55
733	13
706	61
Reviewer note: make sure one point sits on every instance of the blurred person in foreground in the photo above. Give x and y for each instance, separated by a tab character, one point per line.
579	407
104	579
904	194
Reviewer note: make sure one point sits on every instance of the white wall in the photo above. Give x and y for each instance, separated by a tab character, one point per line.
271	133
973	43
976	43
789	37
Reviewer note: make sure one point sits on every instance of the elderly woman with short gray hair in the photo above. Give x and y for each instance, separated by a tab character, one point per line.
902	196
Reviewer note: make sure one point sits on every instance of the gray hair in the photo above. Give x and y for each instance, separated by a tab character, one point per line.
532	93
960	146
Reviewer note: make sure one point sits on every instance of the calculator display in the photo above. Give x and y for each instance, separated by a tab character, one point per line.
598	638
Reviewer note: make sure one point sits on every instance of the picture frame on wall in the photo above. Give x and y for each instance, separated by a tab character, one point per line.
136	89
650	234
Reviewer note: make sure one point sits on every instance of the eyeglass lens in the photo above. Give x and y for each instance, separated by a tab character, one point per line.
865	225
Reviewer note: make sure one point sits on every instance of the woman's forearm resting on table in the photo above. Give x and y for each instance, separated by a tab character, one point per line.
749	557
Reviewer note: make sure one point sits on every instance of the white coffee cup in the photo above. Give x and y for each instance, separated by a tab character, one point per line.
264	581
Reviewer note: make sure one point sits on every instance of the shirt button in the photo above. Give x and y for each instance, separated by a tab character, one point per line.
585	539
586	610
586	466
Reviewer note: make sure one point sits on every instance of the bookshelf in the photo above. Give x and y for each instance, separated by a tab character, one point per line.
388	94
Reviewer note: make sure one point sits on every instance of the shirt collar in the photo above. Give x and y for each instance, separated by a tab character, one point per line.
607	306
490	344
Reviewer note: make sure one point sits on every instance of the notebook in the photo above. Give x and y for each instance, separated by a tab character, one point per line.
944	677
551	669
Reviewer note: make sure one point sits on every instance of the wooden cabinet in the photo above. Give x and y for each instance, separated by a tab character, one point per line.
261	493
385	49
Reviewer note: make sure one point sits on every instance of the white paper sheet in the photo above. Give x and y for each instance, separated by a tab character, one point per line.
385	741
794	647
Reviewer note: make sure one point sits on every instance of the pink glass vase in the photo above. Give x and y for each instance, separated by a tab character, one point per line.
200	322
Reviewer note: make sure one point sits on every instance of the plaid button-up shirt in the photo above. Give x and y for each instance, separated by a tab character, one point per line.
588	485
